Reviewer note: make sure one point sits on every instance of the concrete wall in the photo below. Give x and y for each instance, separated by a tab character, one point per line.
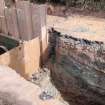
25	59
26	22
39	13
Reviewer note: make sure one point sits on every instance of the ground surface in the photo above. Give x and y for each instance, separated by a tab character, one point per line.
87	27
15	90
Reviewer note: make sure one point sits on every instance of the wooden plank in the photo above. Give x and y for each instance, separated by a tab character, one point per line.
43	13
2	6
11	18
3	27
43	35
24	19
38	19
39	27
36	22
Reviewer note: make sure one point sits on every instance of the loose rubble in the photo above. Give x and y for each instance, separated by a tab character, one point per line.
44	81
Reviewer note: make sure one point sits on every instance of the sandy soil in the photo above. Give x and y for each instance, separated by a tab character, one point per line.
87	27
15	90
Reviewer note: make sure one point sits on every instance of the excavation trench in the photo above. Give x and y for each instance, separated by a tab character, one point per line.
7	43
78	69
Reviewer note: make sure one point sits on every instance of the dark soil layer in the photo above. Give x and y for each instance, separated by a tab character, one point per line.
79	74
78	84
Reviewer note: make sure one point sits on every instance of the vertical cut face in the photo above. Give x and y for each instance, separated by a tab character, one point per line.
79	69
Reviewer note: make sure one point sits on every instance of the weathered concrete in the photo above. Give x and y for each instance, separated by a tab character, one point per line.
3	27
39	27
12	23
24	19
25	58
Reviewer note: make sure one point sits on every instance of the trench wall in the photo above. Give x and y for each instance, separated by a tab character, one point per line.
25	22
25	58
78	68
85	51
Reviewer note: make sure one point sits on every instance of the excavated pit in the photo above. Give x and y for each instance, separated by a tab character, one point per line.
78	69
7	43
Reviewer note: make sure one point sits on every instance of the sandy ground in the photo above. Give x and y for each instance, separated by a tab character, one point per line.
90	28
15	90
